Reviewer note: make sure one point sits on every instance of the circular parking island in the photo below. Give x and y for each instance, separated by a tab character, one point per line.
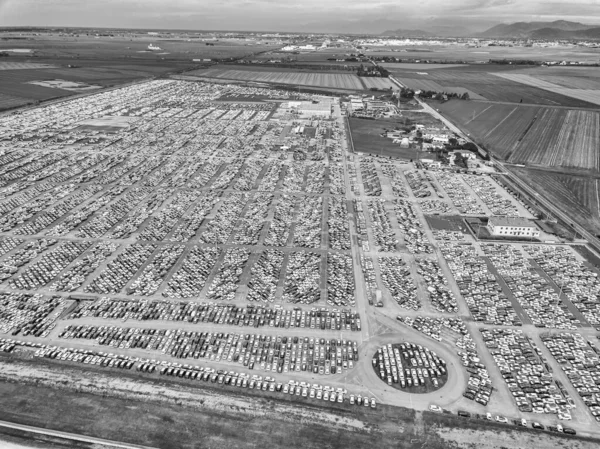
411	368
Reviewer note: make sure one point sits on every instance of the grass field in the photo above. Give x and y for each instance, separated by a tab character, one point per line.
333	80
540	136
578	196
232	419
366	135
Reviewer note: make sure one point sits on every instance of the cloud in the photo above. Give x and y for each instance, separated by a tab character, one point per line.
284	15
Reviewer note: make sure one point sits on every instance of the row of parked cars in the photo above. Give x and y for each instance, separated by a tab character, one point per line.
411	227
479	386
502	419
410	365
370	178
218	313
459	194
28	314
397	278
381	226
526	373
308	225
340	280
434	206
270	353
440	295
579	360
338	224
396	179
478	286
22	255
535	295
489	193
185	371
303	278
577	281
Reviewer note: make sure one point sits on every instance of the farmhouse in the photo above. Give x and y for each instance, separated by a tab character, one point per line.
440	139
512	226
466	154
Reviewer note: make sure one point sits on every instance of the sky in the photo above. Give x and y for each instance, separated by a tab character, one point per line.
293	15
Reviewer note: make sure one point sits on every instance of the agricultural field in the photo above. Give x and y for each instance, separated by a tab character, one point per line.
378	83
9	101
418	66
577	195
333	80
589	92
128	46
495	85
548	137
16	90
425	84
453	53
23	66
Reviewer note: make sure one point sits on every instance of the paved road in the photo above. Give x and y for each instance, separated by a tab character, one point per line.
70	436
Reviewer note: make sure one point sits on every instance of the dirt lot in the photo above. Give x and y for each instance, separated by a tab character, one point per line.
168	416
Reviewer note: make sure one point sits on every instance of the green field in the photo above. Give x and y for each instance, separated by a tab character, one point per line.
366	135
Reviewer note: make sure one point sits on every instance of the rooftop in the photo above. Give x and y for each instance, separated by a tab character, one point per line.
511	221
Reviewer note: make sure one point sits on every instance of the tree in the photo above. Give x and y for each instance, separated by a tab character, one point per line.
470	146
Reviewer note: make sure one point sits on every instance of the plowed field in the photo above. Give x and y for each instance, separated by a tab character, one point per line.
334	80
500	86
540	136
576	195
589	94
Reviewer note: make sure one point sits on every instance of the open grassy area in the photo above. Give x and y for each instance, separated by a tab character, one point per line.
447	223
238	420
367	138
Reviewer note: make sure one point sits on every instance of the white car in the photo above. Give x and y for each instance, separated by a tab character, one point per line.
501	419
435	408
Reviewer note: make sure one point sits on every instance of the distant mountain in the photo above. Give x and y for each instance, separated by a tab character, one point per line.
559	29
407	33
553	33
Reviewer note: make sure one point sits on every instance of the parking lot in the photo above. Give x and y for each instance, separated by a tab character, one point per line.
157	245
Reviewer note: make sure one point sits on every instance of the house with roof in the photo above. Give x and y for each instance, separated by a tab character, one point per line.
512	226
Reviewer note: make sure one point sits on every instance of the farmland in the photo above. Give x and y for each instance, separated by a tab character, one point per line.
216	249
333	80
589	92
497	85
577	195
539	136
452	53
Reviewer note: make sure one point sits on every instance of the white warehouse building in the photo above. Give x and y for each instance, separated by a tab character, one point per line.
512	226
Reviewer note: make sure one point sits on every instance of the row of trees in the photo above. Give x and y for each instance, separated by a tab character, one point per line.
405	92
375	70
